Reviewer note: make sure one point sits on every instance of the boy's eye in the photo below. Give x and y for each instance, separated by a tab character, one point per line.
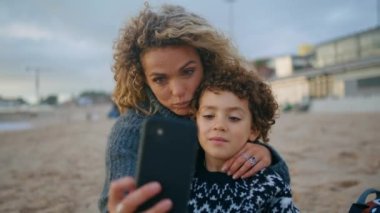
234	119
208	117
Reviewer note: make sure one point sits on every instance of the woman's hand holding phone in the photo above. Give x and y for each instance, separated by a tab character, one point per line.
120	202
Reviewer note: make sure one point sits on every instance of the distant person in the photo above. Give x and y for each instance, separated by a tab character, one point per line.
114	112
232	109
161	58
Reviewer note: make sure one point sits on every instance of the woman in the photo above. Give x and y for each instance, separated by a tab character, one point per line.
160	60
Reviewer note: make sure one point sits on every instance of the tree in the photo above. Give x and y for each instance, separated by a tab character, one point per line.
50	100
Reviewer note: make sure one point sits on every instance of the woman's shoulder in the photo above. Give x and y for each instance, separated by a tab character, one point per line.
133	119
125	131
129	121
130	118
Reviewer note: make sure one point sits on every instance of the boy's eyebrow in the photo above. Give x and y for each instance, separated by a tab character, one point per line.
206	107
228	108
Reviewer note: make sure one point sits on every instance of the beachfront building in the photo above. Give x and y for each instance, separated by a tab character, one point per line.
343	67
288	82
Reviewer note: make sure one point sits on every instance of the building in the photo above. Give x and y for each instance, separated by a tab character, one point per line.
343	67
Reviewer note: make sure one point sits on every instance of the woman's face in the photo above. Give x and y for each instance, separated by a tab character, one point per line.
173	73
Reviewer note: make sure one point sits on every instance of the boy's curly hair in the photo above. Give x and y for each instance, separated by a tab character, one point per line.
171	25
245	84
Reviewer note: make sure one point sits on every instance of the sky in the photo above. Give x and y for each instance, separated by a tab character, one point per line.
70	42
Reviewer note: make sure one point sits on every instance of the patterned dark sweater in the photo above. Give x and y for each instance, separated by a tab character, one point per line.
121	152
216	192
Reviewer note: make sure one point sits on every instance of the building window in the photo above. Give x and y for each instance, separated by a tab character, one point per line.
369	82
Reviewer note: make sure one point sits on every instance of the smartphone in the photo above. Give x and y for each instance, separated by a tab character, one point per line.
167	154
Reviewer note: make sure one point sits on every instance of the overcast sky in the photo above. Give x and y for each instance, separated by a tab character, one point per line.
70	41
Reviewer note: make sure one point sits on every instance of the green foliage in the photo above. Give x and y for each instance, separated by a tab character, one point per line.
50	100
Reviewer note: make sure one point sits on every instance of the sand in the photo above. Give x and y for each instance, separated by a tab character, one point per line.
58	166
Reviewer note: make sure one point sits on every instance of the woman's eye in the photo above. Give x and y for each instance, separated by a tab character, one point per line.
188	71
159	80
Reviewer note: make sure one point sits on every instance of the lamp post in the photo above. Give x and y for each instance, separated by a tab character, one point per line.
231	18
37	81
378	13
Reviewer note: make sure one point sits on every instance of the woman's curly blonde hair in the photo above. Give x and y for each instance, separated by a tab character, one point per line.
245	84
170	25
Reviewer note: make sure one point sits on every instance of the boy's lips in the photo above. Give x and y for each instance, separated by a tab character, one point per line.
218	139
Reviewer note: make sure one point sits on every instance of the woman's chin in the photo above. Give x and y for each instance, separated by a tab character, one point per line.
182	111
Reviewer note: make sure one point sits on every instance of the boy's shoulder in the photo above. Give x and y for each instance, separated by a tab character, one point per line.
269	179
268	172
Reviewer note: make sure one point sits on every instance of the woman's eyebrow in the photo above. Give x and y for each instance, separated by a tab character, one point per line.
157	73
187	64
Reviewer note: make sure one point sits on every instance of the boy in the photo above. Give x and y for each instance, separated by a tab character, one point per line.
232	109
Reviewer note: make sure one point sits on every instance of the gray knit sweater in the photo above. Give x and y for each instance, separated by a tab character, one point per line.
121	152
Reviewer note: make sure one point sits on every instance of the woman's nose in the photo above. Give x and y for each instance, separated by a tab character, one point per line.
178	88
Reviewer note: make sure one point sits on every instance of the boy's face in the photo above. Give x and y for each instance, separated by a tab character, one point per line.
224	124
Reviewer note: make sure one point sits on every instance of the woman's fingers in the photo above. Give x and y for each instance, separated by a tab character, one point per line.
162	206
248	166
120	202
259	166
117	191
139	196
233	162
250	159
236	165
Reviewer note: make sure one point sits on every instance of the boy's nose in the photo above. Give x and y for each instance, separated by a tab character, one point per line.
219	125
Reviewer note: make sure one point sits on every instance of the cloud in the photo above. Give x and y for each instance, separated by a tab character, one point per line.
339	16
25	31
63	40
29	44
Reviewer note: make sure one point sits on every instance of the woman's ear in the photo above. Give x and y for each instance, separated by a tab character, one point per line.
253	135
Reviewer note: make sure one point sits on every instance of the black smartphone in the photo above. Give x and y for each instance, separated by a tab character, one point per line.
167	154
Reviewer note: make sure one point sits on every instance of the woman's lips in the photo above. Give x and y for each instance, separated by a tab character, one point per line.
184	104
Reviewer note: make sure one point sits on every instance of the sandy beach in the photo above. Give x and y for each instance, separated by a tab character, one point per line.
58	165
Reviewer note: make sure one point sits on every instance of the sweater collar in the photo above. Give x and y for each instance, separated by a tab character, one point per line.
156	107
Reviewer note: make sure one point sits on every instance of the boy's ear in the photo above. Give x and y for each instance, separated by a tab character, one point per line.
253	135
